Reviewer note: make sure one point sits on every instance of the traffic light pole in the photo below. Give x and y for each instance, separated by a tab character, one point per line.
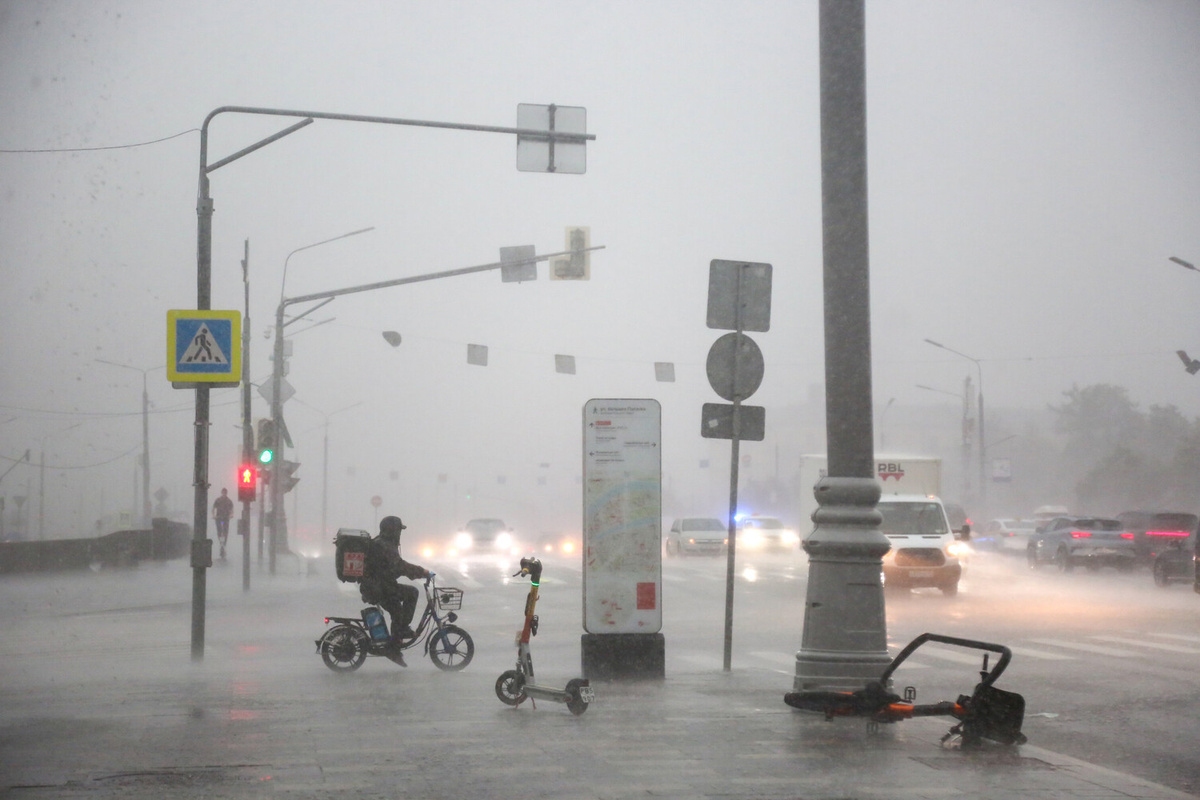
247	423
201	558
277	541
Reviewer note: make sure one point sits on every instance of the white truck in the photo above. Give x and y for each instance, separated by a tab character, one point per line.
895	474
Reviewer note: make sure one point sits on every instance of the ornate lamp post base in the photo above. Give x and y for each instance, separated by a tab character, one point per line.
844	645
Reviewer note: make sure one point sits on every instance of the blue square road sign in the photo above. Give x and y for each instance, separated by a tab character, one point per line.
204	347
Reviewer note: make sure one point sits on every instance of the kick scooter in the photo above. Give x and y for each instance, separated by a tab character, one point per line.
514	686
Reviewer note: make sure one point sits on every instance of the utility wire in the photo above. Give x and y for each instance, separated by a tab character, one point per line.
108	147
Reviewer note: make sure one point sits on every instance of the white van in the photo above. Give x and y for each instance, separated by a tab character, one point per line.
924	551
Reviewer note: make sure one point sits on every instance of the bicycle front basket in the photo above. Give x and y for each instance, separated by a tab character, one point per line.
448	598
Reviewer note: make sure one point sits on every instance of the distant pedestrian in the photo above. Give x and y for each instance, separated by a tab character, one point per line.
222	513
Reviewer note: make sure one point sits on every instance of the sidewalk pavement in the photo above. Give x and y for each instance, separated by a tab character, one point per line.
109	705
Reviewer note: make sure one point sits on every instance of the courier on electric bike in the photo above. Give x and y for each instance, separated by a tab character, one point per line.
345	646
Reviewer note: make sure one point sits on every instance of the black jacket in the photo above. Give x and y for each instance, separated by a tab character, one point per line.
383	565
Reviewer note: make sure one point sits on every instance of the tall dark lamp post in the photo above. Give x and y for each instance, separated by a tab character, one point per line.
278	538
844	642
982	430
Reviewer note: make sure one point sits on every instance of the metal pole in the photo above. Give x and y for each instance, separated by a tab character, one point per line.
982	446
247	421
325	480
42	495
844	642
201	544
277	538
734	458
731	555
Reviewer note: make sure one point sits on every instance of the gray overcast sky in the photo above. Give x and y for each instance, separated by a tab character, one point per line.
1033	163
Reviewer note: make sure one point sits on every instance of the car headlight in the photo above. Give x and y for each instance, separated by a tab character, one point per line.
504	540
752	538
789	537
958	549
463	540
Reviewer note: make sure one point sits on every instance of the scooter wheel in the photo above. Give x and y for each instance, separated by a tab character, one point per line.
576	704
510	687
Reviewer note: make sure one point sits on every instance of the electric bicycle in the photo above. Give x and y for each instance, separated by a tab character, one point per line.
345	646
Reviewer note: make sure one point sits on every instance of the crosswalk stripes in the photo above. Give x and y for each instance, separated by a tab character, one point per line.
932	656
1099	650
1177	637
1046	655
1171	648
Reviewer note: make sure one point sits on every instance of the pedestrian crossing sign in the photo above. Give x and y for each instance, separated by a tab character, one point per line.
204	348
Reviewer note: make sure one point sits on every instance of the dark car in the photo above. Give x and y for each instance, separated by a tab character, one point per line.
1155	531
1092	542
1175	550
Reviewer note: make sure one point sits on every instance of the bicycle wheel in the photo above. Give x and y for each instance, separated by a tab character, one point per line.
510	687
344	649
576	704
451	649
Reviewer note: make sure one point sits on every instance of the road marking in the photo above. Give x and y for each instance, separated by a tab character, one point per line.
1178	637
1043	654
950	655
1171	648
1087	648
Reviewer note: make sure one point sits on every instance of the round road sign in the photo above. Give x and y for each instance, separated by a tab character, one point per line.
735	366
377	501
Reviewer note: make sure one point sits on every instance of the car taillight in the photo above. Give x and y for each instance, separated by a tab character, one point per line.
1126	535
1166	533
1080	534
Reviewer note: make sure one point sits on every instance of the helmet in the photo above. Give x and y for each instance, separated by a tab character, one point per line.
390	527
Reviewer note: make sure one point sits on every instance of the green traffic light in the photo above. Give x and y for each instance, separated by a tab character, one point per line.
265	457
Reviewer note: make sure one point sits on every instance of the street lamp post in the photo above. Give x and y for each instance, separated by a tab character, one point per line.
1190	364
278	539
844	639
325	469
982	429
965	399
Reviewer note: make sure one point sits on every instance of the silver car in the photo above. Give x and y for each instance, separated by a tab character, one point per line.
1007	534
697	536
1092	542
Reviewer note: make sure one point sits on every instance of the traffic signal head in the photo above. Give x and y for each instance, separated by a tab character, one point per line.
289	475
247	483
266	441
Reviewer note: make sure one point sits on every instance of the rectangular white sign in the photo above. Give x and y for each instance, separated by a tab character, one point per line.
622	516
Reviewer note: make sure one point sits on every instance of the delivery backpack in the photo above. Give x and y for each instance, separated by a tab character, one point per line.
350	550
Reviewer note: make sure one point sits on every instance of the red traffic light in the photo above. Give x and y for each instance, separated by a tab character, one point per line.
247	482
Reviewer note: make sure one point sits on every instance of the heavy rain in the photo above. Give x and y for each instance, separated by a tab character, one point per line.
1032	192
